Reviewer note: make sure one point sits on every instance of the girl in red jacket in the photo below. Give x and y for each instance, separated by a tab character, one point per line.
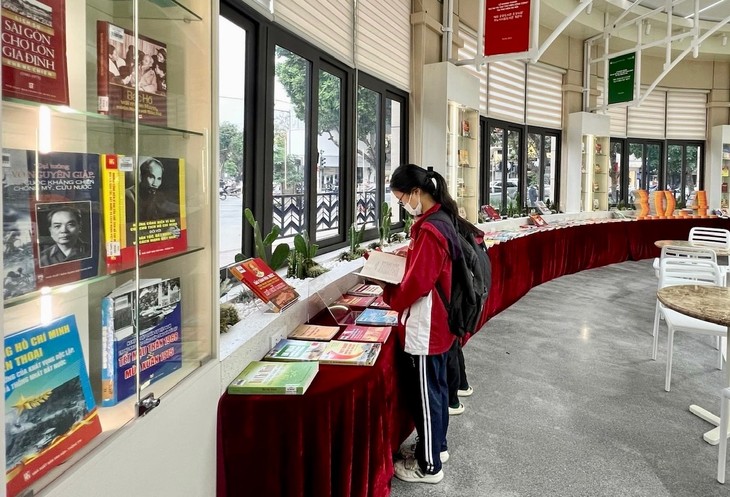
423	327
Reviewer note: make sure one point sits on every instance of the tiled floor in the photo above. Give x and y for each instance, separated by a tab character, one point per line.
568	402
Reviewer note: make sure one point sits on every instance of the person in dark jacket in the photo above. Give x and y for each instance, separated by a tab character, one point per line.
423	328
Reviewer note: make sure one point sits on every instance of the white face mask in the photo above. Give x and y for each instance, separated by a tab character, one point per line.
415	212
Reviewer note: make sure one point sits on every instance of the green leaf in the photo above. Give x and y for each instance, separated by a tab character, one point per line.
279	256
239	257
300	245
313	250
249	216
271	237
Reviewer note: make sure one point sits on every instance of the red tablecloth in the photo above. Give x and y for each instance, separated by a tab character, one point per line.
336	440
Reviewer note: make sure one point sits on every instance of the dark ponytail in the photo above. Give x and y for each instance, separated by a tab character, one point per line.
408	177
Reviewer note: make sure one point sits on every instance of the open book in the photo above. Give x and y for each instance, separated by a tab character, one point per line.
381	266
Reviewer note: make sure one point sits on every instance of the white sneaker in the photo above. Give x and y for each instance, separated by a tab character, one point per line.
408	470
410	453
465	393
455	411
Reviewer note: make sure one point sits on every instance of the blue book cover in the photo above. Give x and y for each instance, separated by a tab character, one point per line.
50	411
50	219
377	317
160	337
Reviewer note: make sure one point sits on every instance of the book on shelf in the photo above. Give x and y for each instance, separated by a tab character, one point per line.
465	128
295	350
356	333
490	213
50	412
355	300
117	78
274	378
379	303
149	214
538	220
265	283
365	290
464	157
385	267
34	51
50	219
160	336
540	206
350	353
377	317
314	332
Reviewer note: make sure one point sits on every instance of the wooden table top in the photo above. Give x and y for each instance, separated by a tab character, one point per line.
719	251
708	303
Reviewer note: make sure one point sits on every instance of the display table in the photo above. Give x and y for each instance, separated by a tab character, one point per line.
708	303
335	440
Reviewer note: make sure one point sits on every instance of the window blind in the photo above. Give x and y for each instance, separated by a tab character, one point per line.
544	97
647	120
384	40
686	115
327	24
506	91
469	52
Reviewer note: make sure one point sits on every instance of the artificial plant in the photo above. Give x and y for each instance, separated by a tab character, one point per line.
385	219
301	259
262	245
355	236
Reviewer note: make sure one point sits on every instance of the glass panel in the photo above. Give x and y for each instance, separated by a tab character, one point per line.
551	166
329	124
691	172
636	182
496	168
366	178
393	151
514	157
232	83
653	159
534	166
674	169
614	191
291	106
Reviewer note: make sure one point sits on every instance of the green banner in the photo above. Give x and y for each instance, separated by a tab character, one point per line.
621	78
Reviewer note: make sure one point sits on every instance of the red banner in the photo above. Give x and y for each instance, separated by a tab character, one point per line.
506	26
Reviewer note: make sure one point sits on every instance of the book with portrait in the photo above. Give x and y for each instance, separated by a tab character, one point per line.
34	51
265	283
144	206
274	378
50	219
117	78
350	353
160	336
50	412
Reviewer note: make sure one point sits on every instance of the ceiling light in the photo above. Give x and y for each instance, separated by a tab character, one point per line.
589	9
647	28
723	38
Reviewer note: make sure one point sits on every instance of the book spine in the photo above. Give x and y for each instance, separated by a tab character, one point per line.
108	354
112	186
102	63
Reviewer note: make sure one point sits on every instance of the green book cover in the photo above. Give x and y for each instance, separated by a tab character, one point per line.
288	378
295	350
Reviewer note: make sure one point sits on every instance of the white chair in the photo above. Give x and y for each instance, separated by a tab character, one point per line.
724	398
687	252
684	271
710	236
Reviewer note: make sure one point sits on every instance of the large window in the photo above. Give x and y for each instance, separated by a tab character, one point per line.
683	169
503	159
368	153
232	85
542	163
394	151
644	162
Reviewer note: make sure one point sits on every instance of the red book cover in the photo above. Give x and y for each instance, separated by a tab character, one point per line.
356	333
265	283
538	220
34	51
355	301
365	290
117	78
379	303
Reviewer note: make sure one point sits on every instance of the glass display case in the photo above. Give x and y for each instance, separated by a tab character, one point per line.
462	145
106	198
717	173
594	173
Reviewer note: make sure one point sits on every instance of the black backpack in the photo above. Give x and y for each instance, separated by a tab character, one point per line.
471	276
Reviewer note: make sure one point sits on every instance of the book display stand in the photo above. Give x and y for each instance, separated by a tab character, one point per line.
106	198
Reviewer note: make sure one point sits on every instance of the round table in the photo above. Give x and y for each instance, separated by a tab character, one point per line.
708	303
719	251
